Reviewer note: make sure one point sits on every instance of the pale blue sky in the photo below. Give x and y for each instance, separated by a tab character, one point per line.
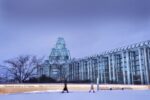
88	26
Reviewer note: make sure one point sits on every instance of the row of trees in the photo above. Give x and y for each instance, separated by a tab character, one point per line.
22	68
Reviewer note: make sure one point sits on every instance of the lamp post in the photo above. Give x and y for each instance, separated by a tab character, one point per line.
97	83
98	76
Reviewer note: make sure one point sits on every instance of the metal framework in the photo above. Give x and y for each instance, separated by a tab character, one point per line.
59	56
125	65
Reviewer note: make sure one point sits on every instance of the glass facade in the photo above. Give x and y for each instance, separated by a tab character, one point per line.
127	65
58	59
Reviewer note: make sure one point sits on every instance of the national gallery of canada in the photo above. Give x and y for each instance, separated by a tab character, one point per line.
126	65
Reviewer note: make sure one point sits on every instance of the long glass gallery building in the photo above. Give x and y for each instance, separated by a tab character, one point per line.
126	65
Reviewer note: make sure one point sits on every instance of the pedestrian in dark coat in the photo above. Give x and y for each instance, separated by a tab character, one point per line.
65	89
92	88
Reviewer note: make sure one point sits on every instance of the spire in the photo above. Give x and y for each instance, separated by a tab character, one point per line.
60	44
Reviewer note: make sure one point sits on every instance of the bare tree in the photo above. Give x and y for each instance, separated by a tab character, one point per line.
23	67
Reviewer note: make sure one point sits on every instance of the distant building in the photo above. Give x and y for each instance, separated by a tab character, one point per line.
59	57
126	65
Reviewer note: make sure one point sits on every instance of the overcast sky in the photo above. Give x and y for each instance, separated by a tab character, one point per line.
88	26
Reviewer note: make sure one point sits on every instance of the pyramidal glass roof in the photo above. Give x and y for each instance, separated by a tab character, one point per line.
59	54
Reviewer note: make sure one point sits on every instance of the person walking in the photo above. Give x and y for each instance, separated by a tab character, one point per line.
92	88
65	89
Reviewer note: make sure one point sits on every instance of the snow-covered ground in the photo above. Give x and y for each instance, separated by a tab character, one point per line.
81	95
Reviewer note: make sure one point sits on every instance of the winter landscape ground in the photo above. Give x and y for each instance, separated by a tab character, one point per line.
76	92
81	95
